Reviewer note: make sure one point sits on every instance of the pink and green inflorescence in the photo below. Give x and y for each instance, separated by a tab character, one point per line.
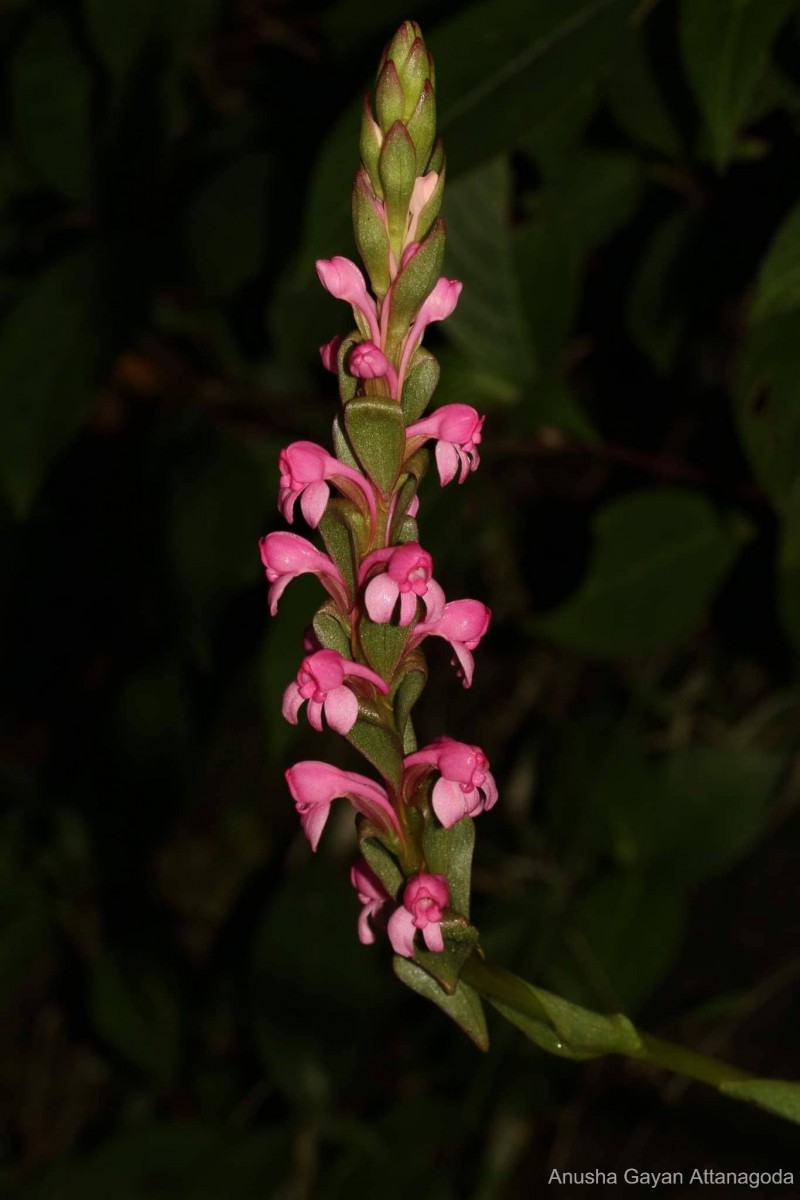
365	664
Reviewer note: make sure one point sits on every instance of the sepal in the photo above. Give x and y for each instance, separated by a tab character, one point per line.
377	433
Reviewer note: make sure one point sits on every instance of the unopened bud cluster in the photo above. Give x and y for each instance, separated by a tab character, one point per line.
365	666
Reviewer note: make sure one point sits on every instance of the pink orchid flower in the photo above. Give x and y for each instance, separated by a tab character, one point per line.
457	430
342	278
314	787
285	556
368	361
321	681
424	187
465	786
438	307
372	896
329	353
406	577
305	470
424	901
462	623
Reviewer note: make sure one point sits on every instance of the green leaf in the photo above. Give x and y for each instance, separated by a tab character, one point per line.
778	289
51	93
410	688
330	630
380	748
725	45
774	1095
377	433
619	939
48	361
716	804
463	1006
460	939
336	528
768	405
510	65
547	266
120	31
228	224
383	645
449	852
488	325
138	1014
213	521
659	557
634	98
555	1024
592	197
419	385
383	864
657	308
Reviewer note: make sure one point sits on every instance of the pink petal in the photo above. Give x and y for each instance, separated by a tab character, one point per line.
434	601
314	712
401	932
314	501
432	936
380	598
313	822
489	791
292	700
365	934
467	663
408	608
446	462
341	709
276	591
448	802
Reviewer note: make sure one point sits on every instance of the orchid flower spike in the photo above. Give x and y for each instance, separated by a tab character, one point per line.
465	786
457	430
462	623
285	556
342	278
315	785
424	901
321	681
372	896
406	576
305	471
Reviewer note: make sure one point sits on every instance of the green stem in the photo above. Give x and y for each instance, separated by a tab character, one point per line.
495	983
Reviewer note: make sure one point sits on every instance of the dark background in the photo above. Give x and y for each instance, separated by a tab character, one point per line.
186	1009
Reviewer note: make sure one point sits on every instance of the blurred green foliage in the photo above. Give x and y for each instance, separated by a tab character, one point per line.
186	1009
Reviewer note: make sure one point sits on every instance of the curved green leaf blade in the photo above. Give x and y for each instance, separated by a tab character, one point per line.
659	557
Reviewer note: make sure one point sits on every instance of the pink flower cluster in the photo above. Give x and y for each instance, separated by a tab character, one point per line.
377	574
